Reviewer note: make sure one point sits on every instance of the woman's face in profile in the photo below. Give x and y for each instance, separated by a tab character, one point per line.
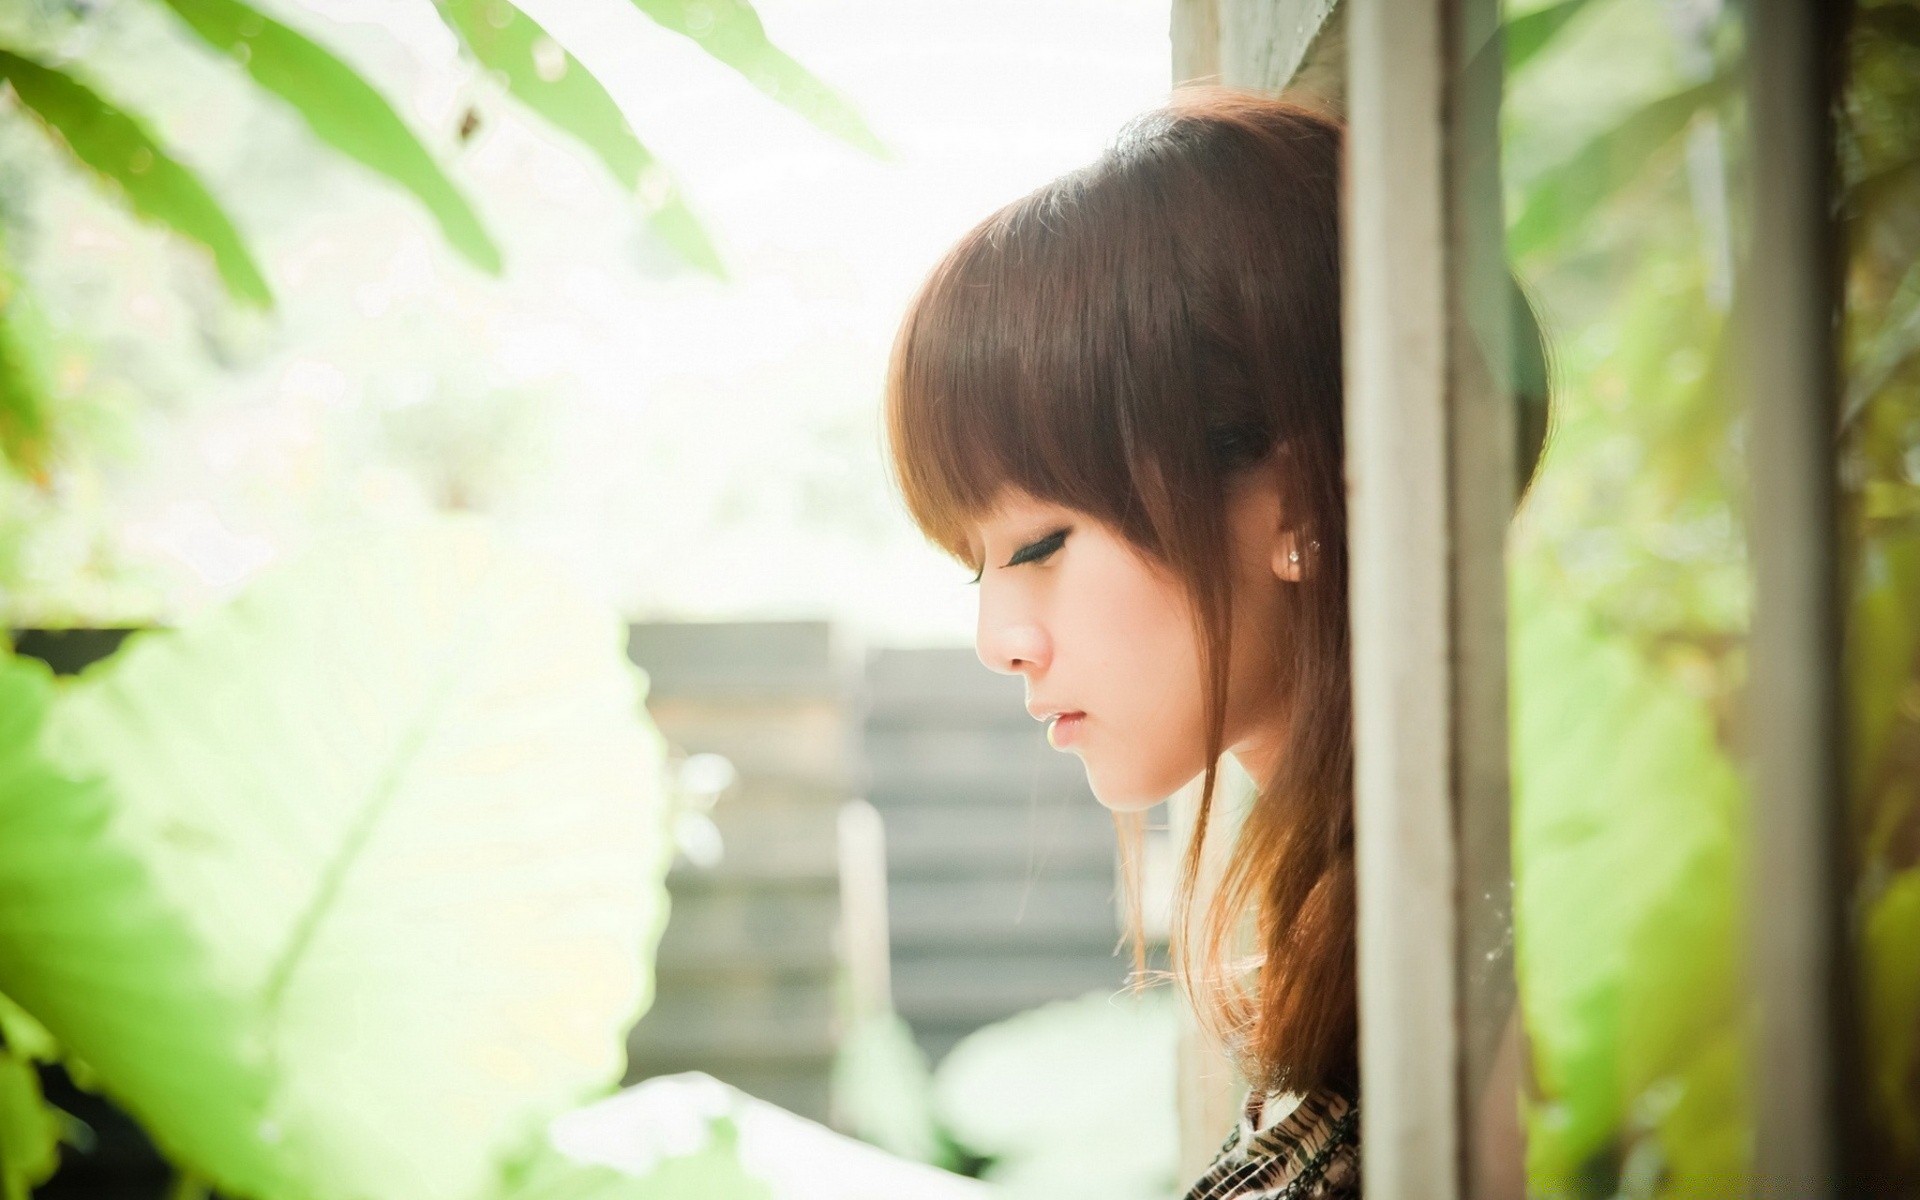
1105	639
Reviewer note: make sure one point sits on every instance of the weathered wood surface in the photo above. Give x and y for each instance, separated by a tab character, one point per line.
1807	1090
1000	862
1296	46
749	969
1430	476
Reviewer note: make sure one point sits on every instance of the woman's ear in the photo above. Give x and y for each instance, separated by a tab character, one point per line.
1287	545
1289	556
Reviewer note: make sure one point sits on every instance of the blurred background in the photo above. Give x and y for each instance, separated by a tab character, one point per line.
618	281
447	542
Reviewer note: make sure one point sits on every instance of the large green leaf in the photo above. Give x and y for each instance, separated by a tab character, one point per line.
346	886
1558	203
731	31
342	109
25	420
541	74
89	948
1627	876
29	1135
1074	1098
1529	33
29	1126
120	150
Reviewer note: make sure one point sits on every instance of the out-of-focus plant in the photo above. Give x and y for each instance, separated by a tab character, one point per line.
343	890
1629	610
1880	481
351	116
1631	589
883	1091
1074	1098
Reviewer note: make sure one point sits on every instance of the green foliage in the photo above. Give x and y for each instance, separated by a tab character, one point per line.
730	30
347	887
88	947
1889	979
883	1091
120	151
1626	883
342	109
347	113
541	74
1528	33
1880	478
29	1130
24	415
1560	202
710	1172
1630	612
1074	1098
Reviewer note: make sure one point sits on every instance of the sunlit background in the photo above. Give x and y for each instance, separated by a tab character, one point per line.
667	391
370	742
691	446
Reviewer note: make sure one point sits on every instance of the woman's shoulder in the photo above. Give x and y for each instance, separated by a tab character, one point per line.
1288	1147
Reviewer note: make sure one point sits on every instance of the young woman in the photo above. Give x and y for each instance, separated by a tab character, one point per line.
1118	400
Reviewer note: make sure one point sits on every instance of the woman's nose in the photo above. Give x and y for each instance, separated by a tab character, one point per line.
1010	646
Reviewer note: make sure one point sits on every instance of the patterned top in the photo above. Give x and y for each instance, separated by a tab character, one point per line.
1288	1147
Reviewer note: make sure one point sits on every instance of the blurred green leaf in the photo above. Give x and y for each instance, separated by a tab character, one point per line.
541	74
25	419
342	109
345	888
1074	1098
1890	979
731	31
120	151
88	947
1882	670
25	1036
1897	22
1626	877
710	1172
1893	344
29	1131
1529	33
883	1091
1559	202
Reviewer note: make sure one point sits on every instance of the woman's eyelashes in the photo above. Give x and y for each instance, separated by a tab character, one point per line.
1039	551
1032	552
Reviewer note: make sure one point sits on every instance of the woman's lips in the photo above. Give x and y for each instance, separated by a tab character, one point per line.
1062	729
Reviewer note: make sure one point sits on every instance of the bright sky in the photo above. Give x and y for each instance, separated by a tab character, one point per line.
765	390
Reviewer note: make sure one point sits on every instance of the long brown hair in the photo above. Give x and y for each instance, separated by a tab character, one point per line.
1124	341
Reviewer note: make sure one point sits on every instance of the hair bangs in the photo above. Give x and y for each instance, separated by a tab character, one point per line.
992	385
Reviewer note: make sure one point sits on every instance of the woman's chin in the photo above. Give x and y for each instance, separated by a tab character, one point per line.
1125	796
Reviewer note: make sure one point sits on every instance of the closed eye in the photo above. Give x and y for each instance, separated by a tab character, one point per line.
1033	552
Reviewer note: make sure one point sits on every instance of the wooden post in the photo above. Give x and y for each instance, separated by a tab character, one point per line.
1796	908
1294	46
1430	484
